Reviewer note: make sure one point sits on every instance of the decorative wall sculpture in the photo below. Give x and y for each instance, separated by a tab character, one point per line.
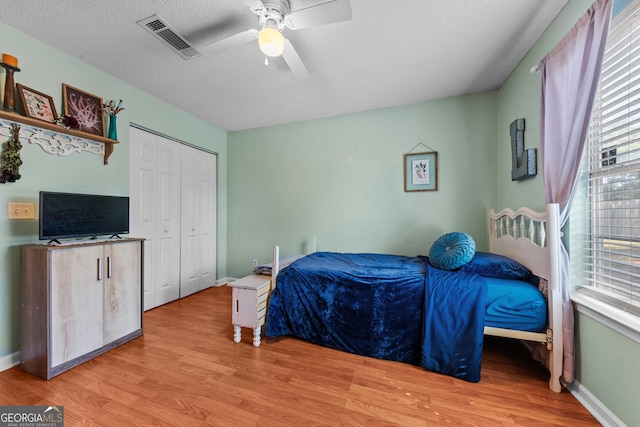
523	162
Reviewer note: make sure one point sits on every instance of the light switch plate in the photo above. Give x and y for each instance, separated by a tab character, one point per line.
20	211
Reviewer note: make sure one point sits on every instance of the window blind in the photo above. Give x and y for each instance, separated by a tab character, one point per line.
605	221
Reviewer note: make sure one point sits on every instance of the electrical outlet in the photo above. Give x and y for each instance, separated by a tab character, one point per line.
255	263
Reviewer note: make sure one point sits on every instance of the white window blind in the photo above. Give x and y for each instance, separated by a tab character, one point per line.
605	217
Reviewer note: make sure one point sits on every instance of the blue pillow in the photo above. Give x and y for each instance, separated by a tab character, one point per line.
498	266
452	250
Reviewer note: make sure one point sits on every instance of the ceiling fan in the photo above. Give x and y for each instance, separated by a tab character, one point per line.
276	15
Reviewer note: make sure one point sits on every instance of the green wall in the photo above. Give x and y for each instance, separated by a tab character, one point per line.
340	180
45	69
606	361
607	365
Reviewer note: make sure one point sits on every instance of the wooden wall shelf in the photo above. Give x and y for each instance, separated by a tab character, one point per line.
56	129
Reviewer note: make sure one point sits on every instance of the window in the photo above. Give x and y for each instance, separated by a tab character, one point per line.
605	216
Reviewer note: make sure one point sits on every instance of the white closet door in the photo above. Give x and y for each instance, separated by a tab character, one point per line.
154	190
168	231
198	246
142	212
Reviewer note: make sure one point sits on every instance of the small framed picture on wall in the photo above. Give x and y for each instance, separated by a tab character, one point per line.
36	104
421	171
86	108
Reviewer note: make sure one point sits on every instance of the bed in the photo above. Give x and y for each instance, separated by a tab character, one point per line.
402	308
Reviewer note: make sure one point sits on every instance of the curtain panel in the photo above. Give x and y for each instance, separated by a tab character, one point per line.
570	75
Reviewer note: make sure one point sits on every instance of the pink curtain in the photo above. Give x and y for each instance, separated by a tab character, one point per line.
570	74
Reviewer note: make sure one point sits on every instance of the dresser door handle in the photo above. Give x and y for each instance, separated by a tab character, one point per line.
99	268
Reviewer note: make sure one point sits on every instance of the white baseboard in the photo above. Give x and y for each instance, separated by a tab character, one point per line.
594	405
225	280
9	361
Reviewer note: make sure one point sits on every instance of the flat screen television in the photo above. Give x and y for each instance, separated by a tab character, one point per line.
69	215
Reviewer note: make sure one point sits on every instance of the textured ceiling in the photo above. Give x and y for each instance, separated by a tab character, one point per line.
390	53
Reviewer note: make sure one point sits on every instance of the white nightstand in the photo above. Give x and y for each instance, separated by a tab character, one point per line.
250	298
249	305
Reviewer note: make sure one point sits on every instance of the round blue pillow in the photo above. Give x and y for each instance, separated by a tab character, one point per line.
452	250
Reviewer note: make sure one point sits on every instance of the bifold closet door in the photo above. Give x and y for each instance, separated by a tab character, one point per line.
198	218
173	207
155	213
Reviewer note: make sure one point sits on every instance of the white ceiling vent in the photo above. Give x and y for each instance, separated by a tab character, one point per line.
162	30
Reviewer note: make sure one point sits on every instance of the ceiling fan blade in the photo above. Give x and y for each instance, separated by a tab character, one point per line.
230	42
324	13
294	62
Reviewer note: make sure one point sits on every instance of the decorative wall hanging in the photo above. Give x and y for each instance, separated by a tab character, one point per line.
51	142
54	138
37	105
523	162
85	108
421	170
10	160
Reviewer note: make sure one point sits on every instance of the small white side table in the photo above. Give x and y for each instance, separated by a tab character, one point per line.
249	301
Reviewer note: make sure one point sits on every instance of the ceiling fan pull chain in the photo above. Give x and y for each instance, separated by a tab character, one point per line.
266	60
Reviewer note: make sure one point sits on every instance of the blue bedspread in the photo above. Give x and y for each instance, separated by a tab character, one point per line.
384	306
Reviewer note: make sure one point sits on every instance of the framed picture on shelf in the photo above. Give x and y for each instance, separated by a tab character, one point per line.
36	104
85	107
421	171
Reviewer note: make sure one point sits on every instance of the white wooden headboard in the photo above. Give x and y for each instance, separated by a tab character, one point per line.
522	235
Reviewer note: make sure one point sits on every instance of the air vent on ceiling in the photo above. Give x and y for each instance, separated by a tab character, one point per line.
162	30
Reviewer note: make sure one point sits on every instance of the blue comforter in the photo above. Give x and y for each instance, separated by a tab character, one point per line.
384	306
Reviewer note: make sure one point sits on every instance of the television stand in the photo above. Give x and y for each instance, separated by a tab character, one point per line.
78	301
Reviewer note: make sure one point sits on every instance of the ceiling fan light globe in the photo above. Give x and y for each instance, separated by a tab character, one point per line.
271	41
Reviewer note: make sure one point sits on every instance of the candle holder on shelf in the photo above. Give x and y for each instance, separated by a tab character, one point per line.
9	103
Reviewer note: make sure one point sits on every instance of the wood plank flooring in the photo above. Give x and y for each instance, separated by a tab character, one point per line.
187	371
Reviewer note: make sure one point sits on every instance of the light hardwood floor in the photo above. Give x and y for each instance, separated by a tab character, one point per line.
187	371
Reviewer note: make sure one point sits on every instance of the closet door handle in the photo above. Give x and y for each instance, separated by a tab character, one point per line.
109	267
99	268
